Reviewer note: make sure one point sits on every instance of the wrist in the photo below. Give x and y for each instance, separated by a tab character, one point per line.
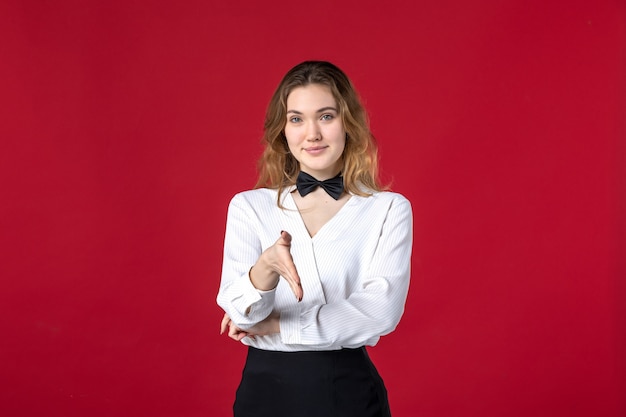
263	278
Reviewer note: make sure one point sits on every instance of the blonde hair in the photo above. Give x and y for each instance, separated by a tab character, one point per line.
278	168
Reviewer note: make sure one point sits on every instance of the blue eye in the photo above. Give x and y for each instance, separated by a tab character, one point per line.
295	119
327	117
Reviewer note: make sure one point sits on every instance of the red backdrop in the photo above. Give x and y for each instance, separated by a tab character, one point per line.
126	127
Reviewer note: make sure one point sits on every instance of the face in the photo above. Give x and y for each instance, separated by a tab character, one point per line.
314	131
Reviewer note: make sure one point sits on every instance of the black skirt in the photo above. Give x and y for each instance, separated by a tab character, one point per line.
341	383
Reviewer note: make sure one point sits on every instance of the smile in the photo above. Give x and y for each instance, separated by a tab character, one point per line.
315	149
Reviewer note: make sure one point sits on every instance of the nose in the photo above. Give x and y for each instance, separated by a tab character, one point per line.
313	133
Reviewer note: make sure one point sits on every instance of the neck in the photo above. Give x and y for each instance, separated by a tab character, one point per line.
322	176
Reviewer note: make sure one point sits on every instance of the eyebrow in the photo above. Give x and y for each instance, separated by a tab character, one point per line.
323	109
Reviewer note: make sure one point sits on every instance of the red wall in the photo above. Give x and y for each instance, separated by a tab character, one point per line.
127	126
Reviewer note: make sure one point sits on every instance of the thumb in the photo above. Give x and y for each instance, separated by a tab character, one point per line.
285	238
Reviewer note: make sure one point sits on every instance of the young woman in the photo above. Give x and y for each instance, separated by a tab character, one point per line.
316	257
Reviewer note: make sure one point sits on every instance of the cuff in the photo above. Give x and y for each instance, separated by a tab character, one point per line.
253	305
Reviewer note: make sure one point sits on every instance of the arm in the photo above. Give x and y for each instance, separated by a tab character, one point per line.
375	308
250	274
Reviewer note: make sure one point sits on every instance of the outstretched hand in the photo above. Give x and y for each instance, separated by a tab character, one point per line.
274	262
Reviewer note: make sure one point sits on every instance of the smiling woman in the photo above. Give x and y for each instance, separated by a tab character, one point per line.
314	133
316	259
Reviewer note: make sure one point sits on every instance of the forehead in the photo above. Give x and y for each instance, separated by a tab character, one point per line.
312	96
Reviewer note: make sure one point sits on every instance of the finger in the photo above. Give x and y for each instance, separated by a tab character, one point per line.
285	237
296	287
224	324
236	333
243	334
293	279
289	272
239	336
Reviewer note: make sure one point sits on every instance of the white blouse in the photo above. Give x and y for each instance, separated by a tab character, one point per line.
354	271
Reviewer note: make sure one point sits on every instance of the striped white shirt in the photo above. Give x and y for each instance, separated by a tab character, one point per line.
354	271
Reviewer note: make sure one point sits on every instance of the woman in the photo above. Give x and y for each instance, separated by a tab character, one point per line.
316	257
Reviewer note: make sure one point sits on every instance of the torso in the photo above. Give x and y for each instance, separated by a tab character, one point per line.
317	208
358	241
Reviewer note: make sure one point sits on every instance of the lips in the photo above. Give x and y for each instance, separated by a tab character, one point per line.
315	149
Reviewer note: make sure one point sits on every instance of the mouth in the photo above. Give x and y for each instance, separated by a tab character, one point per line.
315	149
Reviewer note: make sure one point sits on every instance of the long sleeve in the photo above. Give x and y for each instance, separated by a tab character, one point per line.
354	272
374	308
245	305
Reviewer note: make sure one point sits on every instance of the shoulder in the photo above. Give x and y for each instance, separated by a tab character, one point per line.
383	205
382	196
389	198
257	193
260	198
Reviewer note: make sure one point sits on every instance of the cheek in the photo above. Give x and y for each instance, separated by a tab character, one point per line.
291	143
290	134
339	136
342	141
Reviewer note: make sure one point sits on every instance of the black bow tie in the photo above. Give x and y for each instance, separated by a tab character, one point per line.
333	186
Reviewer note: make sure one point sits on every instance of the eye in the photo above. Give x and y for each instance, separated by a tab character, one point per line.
327	117
295	119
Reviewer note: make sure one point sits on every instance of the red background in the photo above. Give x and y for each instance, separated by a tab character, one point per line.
126	127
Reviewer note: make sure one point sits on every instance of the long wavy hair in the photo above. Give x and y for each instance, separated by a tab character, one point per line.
278	168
